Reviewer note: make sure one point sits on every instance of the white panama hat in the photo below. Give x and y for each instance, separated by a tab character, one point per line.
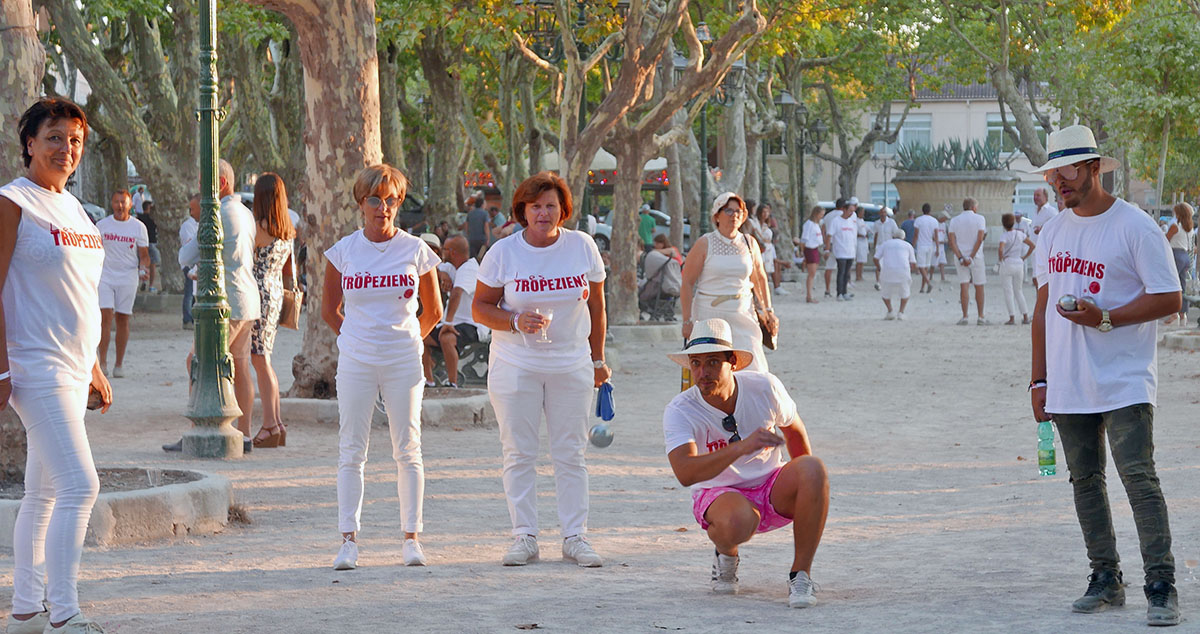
712	335
432	240
1073	144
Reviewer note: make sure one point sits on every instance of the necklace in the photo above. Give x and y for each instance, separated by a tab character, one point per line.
379	246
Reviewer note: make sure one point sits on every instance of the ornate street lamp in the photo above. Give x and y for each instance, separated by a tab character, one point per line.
212	404
805	137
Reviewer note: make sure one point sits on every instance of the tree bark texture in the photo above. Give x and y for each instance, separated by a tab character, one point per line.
341	136
22	64
448	137
390	128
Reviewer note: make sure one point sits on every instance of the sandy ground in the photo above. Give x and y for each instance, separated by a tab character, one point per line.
938	519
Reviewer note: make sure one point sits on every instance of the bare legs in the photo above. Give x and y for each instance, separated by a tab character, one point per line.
106	323
811	267
268	389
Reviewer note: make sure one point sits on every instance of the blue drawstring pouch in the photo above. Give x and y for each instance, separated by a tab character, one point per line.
605	410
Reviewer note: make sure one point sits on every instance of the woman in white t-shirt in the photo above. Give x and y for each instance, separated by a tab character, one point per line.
811	240
51	256
541	291
1012	268
374	280
1179	236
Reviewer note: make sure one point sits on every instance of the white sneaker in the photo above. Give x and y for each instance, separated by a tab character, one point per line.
118	373
523	550
900	316
77	625
962	322
779	290
347	557
34	625
801	591
982	322
890	316
578	550
413	554
724	574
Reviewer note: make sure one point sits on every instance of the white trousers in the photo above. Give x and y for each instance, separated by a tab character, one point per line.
358	385
61	486
520	398
1012	278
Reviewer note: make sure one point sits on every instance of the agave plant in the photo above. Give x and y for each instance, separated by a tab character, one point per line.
951	155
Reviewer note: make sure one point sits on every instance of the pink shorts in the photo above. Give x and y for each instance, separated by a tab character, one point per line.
759	496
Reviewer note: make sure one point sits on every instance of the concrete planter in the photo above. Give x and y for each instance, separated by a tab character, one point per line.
993	189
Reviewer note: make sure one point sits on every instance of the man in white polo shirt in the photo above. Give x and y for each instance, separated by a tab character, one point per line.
1102	376
842	240
126	262
925	228
967	231
723	439
458	327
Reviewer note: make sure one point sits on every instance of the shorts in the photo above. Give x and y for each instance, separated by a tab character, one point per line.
975	274
941	256
925	257
155	256
812	256
895	290
467	333
861	250
759	496
118	297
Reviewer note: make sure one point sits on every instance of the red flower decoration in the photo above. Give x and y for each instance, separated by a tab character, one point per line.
408	293
1094	288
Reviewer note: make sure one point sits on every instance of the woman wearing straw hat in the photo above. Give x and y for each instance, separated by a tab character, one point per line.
1102	378
723	440
722	277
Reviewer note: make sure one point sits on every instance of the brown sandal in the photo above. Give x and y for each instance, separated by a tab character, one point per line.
271	440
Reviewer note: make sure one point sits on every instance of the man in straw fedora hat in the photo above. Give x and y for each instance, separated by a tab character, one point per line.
741	482
1102	375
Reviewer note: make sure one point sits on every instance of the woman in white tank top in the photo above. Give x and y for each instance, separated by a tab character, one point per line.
722	275
51	256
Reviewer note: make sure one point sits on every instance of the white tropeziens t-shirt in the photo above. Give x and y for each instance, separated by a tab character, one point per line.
52	306
1113	257
761	402
844	237
1043	215
121	242
927	228
556	278
465	278
380	282
894	257
965	228
811	236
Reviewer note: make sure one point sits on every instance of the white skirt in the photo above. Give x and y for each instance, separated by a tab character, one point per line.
742	321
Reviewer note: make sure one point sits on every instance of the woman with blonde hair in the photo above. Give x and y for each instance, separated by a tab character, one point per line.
274	271
1179	236
375	279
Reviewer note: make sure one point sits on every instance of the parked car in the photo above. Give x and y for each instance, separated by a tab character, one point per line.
95	212
871	210
662	225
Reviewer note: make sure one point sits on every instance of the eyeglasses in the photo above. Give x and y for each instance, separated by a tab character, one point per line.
1066	172
375	201
732	211
730	424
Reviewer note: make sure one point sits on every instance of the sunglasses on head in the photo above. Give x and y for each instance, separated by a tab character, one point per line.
730	424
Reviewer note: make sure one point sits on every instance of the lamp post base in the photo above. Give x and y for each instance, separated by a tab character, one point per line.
206	440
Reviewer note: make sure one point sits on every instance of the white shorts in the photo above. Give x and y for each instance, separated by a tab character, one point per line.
861	251
118	297
975	274
925	257
895	290
941	255
830	262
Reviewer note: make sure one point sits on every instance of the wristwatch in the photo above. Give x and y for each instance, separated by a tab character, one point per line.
598	363
1105	323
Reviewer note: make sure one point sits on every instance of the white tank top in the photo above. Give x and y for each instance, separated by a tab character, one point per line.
727	265
51	303
1180	239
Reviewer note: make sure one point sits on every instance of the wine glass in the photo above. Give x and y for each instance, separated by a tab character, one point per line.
547	315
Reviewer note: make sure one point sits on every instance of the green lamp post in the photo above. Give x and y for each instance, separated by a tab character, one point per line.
212	404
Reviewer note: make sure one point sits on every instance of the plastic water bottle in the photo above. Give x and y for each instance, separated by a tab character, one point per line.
1046	458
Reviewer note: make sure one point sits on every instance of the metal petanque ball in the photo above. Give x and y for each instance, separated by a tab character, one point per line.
600	435
1067	302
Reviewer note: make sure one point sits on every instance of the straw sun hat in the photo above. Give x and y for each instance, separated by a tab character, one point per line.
712	335
1074	144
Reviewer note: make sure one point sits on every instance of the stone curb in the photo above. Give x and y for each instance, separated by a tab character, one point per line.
129	517
1182	340
471	409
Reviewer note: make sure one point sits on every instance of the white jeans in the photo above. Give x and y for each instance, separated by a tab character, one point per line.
520	398
358	385
1012	277
61	486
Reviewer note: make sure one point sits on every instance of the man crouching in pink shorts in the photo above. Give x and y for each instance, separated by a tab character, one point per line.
741	483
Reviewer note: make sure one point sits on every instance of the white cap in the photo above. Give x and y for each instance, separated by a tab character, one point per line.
853	200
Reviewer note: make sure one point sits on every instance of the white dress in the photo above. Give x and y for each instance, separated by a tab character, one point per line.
724	291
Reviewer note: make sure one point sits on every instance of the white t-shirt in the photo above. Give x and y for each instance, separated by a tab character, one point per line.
464	278
926	226
811	236
52	316
965	228
884	229
1043	215
121	242
761	402
188	230
844	236
238	230
557	278
894	257
862	228
1113	257
942	238
1013	244
379	292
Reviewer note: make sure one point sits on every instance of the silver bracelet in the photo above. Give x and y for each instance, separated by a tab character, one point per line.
513	322
7	374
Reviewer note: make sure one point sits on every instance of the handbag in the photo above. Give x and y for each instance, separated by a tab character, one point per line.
769	339
293	301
